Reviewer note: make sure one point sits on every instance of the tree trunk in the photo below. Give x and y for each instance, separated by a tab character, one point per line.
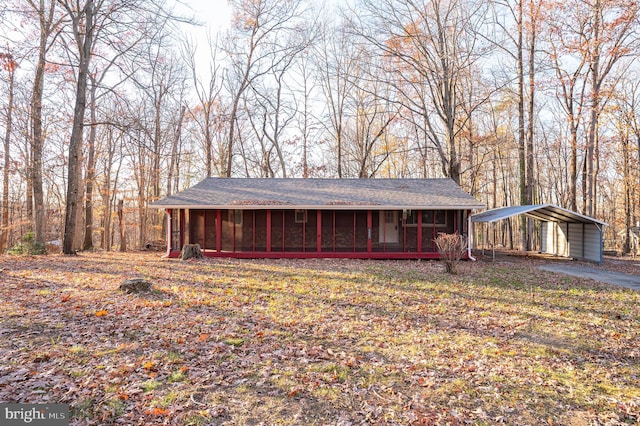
91	172
10	66
37	143
123	228
530	172
173	162
521	125
191	251
626	184
73	198
594	64
573	168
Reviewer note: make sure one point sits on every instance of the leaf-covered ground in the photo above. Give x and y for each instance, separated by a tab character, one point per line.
326	342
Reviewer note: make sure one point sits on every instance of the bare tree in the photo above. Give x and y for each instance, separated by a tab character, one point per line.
117	26
525	15
271	95
48	27
337	59
571	92
253	48
82	27
207	115
9	65
431	42
611	35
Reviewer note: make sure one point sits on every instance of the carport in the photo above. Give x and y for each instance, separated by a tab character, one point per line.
563	232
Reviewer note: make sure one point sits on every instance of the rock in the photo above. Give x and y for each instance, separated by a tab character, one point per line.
136	285
157	245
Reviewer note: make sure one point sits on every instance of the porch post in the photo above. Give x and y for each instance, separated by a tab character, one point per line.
183	216
169	230
419	236
253	232
218	230
304	234
369	230
334	230
354	231
186	235
318	230
233	230
268	230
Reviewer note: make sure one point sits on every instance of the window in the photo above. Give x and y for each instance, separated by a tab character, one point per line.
429	217
235	217
389	217
301	216
439	217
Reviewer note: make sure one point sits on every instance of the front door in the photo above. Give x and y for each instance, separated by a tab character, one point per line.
389	227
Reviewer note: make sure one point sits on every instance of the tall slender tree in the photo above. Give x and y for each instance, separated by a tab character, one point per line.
8	64
82	28
48	26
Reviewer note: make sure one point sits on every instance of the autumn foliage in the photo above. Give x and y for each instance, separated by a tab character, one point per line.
316	341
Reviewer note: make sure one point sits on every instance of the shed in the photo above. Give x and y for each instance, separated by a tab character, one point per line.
634	239
349	218
562	232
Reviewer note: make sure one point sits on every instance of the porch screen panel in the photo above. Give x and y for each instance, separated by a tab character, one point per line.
310	239
210	230
411	241
327	230
344	231
246	237
375	231
227	231
196	227
175	230
294	232
276	230
433	223
260	234
361	231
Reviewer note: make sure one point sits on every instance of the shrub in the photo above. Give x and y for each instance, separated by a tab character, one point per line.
451	248
28	246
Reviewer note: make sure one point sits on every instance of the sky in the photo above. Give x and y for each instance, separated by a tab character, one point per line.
215	14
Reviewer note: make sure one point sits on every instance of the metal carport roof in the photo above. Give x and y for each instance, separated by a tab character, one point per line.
544	212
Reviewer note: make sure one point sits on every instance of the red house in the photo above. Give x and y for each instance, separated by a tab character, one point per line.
349	218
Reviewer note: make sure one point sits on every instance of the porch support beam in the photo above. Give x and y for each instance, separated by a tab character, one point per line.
169	230
419	233
218	230
369	230
318	230
268	230
354	231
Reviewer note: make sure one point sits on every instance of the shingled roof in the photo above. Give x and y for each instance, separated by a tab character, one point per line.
328	194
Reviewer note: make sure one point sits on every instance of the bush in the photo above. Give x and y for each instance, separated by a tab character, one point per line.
28	246
451	248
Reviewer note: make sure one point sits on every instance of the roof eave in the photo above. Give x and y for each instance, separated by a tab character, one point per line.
316	207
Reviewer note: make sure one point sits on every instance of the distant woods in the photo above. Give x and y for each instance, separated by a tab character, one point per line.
108	105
